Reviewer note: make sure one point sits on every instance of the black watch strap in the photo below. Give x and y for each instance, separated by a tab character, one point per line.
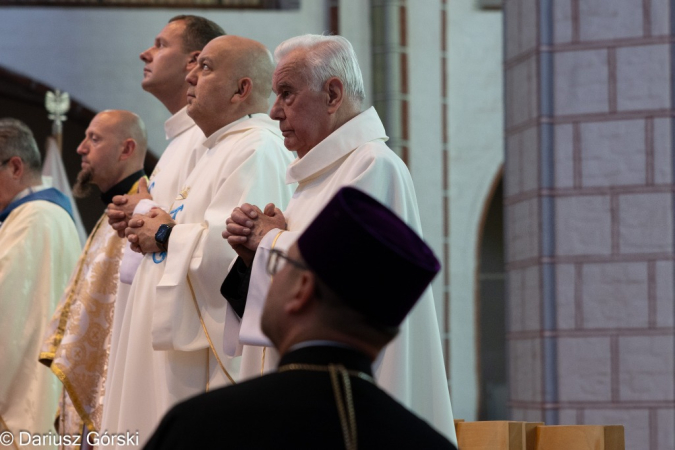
162	236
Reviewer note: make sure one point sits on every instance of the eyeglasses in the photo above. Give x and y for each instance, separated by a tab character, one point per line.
274	265
6	161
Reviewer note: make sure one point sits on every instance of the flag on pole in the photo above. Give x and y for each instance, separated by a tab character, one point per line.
54	175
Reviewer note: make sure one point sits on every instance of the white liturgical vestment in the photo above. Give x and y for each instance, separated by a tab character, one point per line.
39	247
76	343
179	158
175	311
411	368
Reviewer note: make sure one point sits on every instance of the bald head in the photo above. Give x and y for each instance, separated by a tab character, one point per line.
113	148
233	78
250	59
128	125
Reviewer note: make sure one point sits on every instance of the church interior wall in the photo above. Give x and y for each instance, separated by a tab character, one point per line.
590	223
425	126
475	121
93	53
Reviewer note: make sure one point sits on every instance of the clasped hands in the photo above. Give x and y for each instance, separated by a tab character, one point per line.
142	229
244	230
139	229
247	225
121	209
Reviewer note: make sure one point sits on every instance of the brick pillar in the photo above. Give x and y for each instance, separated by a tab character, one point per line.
589	214
390	71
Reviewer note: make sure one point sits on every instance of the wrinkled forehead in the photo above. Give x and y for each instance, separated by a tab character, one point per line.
291	70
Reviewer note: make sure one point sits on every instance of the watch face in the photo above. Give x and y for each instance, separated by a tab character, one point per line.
162	234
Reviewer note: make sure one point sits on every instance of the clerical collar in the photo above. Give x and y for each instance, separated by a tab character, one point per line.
363	128
121	188
317	343
178	123
220	134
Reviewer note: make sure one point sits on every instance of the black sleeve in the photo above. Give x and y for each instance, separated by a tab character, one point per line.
235	286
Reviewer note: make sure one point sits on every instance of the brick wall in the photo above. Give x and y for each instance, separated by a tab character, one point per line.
589	214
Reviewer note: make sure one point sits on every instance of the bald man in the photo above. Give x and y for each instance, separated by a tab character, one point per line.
171	338
77	340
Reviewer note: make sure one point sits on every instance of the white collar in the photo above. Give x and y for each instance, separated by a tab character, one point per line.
363	128
178	123
247	122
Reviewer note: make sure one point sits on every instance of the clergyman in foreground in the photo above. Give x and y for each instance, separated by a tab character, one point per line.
332	307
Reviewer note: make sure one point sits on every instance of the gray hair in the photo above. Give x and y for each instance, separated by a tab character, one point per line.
16	139
326	57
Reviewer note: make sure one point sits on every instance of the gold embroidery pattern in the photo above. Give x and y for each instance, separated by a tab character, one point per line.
183	193
78	345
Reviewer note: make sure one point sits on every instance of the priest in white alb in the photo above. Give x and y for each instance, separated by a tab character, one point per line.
175	317
319	91
167	63
39	247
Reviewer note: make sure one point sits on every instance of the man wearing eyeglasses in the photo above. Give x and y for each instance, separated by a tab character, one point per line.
332	307
39	247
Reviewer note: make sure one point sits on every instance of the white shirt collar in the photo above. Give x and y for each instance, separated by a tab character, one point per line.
178	123
246	122
363	128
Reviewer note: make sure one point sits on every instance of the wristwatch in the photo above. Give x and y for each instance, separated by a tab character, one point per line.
162	235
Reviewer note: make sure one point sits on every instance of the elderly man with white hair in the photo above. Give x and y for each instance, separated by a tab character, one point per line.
319	95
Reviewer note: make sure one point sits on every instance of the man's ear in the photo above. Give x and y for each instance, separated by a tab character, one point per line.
244	89
335	91
304	293
192	61
17	167
128	149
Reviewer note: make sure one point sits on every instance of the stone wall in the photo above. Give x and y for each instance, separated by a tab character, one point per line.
589	217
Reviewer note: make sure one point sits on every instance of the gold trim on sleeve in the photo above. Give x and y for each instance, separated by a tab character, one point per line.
274	242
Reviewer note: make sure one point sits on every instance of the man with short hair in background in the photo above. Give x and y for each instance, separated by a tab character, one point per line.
167	62
39	246
320	92
113	153
173	330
